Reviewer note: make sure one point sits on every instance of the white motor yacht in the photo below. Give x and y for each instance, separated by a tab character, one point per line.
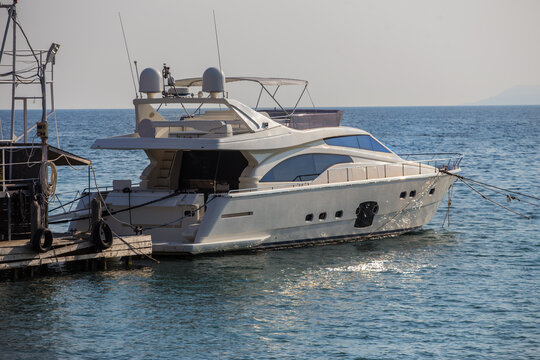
227	177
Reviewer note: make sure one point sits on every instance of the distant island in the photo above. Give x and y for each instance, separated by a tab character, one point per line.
517	95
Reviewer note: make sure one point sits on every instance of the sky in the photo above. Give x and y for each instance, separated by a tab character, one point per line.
353	53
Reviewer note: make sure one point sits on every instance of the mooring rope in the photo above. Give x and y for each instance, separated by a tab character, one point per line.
137	229
449	195
110	213
489	186
133	249
180	218
508	196
493	201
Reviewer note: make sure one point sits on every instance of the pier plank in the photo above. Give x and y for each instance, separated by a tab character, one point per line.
30	254
23	246
25	252
64	259
133	246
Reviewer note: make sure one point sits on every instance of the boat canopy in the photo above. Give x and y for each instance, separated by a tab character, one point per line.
63	158
260	80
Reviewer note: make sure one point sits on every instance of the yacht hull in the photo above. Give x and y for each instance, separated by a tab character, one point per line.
310	215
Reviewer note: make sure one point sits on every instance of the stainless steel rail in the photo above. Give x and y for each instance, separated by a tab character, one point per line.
409	167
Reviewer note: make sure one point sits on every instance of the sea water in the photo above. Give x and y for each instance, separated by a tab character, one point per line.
470	290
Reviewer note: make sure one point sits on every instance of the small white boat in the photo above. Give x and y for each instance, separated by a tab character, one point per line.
227	177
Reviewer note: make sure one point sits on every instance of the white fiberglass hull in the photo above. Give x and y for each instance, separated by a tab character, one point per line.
280	218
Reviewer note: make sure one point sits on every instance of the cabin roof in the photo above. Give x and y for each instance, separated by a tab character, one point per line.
269	139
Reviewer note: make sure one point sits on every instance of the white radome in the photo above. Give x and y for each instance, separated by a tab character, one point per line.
213	80
150	82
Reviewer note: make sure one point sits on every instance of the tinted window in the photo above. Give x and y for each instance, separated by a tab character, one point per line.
303	167
324	161
291	168
365	142
346	141
377	146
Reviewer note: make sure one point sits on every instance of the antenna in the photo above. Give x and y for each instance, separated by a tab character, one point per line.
217	40
129	58
218	54
138	77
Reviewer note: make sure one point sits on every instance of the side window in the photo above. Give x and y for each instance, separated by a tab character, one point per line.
365	142
346	141
297	168
303	167
324	161
377	146
369	143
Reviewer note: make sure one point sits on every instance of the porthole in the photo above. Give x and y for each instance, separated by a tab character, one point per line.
412	193
309	217
322	216
432	191
403	195
339	213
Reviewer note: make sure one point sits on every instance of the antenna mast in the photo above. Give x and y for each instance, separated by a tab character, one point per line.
217	40
129	58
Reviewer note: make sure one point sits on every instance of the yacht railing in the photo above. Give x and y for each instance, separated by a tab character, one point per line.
456	157
271	187
348	173
79	194
388	170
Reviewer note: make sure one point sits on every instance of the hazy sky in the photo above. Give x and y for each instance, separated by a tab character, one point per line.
354	53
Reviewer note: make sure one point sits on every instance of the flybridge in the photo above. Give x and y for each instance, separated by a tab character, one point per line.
210	120
198	105
246	119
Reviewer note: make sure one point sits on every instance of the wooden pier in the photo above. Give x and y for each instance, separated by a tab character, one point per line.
17	259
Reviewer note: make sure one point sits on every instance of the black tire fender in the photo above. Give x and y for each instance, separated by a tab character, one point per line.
102	235
42	240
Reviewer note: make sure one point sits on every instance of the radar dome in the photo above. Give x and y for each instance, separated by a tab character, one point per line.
150	82
213	80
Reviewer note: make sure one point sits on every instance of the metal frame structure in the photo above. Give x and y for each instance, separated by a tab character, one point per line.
33	75
264	83
28	68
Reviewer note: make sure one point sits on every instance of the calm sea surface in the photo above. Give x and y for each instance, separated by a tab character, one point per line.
471	290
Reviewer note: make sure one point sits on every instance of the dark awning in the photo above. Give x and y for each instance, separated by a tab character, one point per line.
63	158
31	153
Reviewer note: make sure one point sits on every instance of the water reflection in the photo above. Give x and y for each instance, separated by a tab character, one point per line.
339	266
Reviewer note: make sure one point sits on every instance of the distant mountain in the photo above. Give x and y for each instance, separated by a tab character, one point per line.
517	95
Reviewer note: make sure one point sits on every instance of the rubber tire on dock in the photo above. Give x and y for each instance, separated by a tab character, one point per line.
102	235
42	240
